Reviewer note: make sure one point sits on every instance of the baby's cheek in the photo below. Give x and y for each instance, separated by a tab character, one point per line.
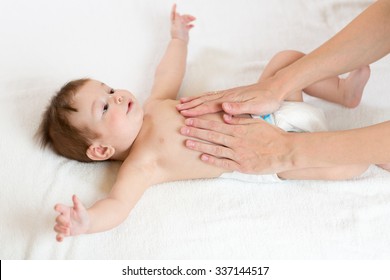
116	121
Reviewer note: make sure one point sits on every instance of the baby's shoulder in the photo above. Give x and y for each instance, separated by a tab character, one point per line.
154	106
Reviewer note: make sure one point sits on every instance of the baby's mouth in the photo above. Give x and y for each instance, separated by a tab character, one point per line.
129	106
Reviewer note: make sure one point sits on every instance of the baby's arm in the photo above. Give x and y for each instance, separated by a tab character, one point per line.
107	213
170	72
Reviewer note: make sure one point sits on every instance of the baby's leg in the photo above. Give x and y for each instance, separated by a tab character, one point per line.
279	61
325	173
385	166
347	92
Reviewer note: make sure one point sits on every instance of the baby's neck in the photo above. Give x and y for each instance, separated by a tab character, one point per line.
121	156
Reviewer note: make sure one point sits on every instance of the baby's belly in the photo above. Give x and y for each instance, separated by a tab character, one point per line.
177	161
185	164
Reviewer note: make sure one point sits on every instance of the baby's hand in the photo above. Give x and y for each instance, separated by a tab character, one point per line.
72	220
180	25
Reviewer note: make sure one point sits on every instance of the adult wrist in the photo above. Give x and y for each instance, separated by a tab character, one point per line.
298	152
278	87
292	158
286	157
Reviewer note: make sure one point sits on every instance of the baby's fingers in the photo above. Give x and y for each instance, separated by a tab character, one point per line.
173	12
61	229
77	205
62	232
62	221
188	18
61	208
59	237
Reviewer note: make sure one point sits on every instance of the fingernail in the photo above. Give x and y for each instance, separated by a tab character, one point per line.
190	144
227	106
227	117
189	121
179	106
184	130
204	157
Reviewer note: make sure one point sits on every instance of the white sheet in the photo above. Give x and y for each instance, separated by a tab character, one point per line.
46	43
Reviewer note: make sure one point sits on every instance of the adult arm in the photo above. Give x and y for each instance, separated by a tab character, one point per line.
254	146
363	41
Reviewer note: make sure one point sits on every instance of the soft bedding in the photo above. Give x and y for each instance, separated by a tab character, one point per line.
47	43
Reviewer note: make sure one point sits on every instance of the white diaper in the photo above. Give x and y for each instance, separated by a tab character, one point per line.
298	117
291	117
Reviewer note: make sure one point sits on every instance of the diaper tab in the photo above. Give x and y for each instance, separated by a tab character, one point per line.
268	118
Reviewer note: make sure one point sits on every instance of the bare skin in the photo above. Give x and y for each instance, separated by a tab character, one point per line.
158	153
360	43
246	157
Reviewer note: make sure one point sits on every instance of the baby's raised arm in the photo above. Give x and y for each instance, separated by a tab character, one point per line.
170	71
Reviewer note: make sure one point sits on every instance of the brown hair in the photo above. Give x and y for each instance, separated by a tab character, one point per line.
56	130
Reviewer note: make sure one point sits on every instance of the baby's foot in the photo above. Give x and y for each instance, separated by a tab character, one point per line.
353	86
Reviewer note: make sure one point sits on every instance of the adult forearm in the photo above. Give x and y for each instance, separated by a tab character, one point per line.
369	145
363	41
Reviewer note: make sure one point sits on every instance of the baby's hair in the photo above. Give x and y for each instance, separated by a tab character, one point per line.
56	130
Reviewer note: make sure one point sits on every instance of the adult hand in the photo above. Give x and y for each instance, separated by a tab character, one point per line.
245	145
252	99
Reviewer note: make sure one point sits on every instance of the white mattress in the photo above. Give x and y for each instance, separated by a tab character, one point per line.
46	43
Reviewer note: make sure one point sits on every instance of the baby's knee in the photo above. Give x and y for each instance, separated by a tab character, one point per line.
350	171
289	55
385	166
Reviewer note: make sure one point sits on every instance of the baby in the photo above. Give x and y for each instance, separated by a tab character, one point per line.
89	121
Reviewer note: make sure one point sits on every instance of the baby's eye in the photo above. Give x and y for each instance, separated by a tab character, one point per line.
105	108
112	91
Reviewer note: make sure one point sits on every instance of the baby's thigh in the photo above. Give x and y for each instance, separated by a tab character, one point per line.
385	166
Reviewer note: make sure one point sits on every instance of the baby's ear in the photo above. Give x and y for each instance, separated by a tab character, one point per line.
99	152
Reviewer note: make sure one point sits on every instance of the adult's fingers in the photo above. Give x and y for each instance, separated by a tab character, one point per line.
209	136
215	126
240	121
200	105
224	163
210	149
206	96
254	106
238	108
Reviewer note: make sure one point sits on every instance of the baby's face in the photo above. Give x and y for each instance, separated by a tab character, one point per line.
113	114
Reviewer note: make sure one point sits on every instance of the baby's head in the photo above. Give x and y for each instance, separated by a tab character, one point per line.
89	121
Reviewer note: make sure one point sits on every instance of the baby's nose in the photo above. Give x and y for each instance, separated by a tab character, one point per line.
119	99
